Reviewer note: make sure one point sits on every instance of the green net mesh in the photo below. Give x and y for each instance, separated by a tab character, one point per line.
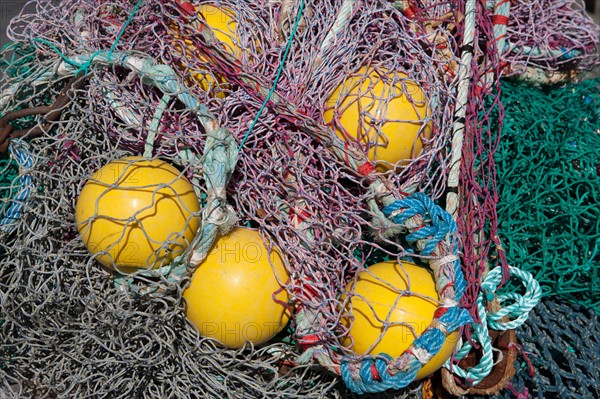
549	186
15	66
8	173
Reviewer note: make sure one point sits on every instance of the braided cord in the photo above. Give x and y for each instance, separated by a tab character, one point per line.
341	21
436	237
500	20
20	151
518	312
464	72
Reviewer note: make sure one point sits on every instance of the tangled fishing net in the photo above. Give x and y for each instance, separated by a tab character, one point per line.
89	82
561	343
546	41
549	142
549	180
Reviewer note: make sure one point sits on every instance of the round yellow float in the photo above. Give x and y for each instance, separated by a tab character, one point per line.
137	213
235	295
375	298
223	23
384	119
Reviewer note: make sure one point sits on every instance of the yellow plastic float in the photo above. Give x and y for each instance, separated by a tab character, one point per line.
376	298
137	213
235	295
384	119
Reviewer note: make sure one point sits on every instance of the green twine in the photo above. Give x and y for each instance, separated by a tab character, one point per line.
278	75
17	65
9	171
549	187
57	51
20	61
83	68
118	39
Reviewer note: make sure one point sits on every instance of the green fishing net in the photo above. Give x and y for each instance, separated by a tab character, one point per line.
549	186
8	173
11	68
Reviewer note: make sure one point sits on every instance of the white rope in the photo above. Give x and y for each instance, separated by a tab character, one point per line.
464	72
341	21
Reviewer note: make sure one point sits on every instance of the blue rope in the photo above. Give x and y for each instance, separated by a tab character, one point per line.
441	225
20	151
517	313
379	373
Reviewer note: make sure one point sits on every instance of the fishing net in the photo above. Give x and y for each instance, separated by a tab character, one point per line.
8	175
246	123
549	181
560	340
546	41
541	147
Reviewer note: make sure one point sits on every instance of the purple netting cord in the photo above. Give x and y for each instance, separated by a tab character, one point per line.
318	199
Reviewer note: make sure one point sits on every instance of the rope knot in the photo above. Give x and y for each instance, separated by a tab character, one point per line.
437	225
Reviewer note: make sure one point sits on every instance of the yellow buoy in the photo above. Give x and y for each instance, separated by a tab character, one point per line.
137	213
376	297
223	23
235	295
384	119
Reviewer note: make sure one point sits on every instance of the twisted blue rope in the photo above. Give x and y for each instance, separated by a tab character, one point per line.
440	227
373	374
519	310
20	151
363	380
